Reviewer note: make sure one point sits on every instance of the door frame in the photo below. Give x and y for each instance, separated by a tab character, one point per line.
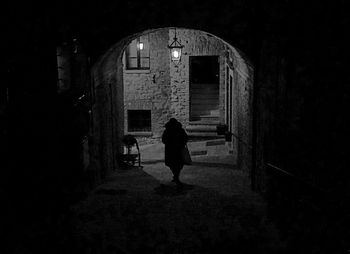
190	79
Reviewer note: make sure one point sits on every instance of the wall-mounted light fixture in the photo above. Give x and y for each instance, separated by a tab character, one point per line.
175	49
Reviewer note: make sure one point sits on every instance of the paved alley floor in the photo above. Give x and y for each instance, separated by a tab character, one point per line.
141	211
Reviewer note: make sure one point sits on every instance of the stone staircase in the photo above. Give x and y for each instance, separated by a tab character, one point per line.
204	101
204	112
203	129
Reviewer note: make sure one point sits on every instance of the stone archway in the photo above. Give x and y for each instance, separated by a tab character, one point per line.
170	92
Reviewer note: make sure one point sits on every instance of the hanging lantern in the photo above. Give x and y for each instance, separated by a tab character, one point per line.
140	45
175	49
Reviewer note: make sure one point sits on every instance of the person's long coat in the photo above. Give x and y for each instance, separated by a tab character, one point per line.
175	139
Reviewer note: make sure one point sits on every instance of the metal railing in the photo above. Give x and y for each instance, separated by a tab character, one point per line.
298	180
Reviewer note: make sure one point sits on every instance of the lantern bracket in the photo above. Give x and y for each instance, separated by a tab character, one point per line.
175	49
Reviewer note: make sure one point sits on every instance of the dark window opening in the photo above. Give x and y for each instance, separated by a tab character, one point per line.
139	120
137	54
204	70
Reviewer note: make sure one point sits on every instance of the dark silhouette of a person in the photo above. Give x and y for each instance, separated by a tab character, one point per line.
175	138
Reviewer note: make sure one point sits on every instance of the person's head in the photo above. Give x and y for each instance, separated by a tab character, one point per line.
173	123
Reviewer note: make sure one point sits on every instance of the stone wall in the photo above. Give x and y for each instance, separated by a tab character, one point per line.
164	88
63	68
242	90
107	110
244	112
196	43
150	89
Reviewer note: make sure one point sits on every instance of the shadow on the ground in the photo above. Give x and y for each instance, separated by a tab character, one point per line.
111	192
198	163
134	212
161	217
152	161
128	167
173	189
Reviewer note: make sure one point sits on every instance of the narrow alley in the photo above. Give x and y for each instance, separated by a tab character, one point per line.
141	211
93	93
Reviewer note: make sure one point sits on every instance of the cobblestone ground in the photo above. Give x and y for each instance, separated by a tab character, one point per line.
141	211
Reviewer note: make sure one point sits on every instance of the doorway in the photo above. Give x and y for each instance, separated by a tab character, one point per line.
204	88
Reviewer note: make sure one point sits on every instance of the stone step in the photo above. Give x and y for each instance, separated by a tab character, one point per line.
203	112
211	135
205	106
213	118
204	122
208	86
196	119
201	128
204	87
204	93
210	116
215	112
206	113
203	84
205	103
207	95
205	109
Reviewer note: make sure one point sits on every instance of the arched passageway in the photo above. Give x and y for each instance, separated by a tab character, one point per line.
136	92
300	69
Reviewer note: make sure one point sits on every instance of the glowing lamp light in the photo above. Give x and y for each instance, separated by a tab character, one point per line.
175	50
175	54
140	45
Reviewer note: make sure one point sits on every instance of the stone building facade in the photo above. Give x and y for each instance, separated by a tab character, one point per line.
164	88
161	89
149	89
